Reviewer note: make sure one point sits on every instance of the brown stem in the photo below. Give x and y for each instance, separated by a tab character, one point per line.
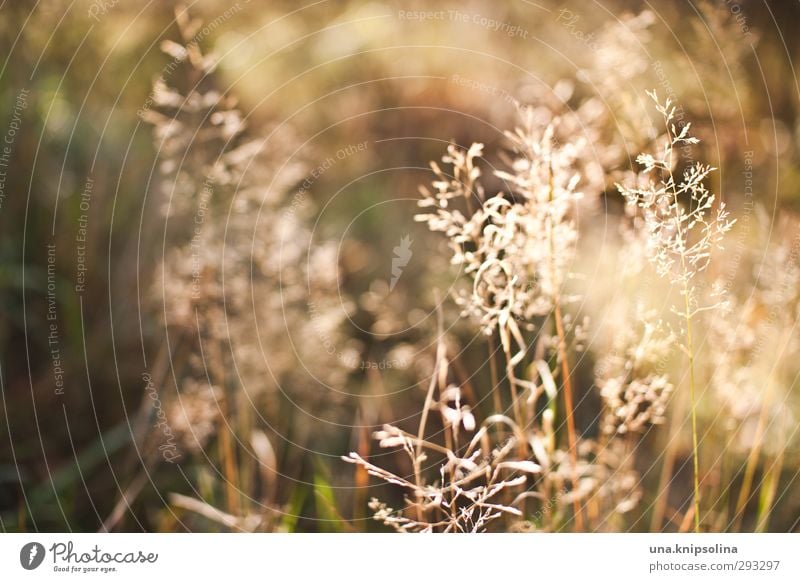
569	412
496	398
758	443
225	443
695	448
228	456
440	354
667	467
562	354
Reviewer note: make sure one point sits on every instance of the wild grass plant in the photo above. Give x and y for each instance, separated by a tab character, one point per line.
239	278
577	324
526	439
527	464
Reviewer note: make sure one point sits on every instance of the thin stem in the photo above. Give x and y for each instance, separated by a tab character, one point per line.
752	463
421	434
225	447
513	386
431	387
686	275
225	442
695	449
496	398
428	402
569	406
758	443
667	466
769	483
562	355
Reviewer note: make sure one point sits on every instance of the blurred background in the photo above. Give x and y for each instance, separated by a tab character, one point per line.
355	99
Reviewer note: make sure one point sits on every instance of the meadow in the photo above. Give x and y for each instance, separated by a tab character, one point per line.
387	266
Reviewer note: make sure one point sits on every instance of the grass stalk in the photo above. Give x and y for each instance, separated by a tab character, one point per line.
755	451
562	355
225	447
752	462
497	400
693	397
440	352
667	467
